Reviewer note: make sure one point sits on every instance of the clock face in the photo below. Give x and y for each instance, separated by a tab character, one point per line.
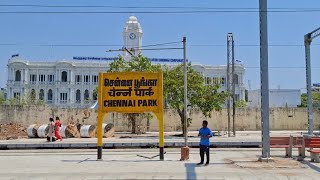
132	36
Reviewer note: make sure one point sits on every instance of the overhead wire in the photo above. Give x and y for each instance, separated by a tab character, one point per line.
159	12
148	7
163	44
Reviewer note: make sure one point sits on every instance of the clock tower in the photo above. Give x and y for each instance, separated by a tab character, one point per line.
132	37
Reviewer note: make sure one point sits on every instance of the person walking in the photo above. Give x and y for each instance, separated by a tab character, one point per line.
50	136
57	129
205	135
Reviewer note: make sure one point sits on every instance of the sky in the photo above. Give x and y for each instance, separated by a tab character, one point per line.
57	36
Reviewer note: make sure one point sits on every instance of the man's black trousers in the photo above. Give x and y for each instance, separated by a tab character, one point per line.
204	149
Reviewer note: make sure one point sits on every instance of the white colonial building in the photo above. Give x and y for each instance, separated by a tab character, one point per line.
72	83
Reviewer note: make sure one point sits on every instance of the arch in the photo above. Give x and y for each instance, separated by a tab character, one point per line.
50	95
78	96
18	75
41	94
64	76
95	95
86	94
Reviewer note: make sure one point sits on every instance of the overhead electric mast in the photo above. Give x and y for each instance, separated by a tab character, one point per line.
307	42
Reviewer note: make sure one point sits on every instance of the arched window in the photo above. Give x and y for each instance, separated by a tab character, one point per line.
18	76
41	94
78	96
33	94
64	76
94	95
86	95
50	96
235	79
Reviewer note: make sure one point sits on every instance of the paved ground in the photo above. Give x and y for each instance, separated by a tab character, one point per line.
125	164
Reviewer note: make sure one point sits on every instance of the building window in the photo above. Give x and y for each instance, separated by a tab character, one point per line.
95	79
63	98
94	95
41	94
16	95
218	80
86	79
222	81
208	80
215	80
50	79
50	96
33	95
78	79
18	76
64	76
78	96
42	78
86	95
235	79
33	78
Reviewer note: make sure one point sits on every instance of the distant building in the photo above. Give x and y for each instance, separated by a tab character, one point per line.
277	98
71	83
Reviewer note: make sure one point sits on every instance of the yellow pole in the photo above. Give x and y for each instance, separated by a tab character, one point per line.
159	115
100	117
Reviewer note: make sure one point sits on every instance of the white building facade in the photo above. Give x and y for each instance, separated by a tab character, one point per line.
277	98
72	83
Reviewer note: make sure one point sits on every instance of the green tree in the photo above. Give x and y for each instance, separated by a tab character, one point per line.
241	103
2	100
136	64
315	99
205	97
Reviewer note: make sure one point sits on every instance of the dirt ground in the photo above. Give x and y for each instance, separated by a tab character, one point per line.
12	131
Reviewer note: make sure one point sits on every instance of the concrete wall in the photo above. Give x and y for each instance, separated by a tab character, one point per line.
246	118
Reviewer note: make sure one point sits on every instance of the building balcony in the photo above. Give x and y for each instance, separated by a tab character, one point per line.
63	101
65	83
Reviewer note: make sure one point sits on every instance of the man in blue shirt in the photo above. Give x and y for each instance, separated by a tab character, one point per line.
204	133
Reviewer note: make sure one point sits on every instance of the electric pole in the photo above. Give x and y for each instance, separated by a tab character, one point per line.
233	91
307	42
229	58
185	92
185	149
264	79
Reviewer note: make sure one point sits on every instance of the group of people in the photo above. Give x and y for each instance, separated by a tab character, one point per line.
54	130
205	134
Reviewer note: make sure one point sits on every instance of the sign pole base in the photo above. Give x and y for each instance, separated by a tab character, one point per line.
184	153
99	153
161	153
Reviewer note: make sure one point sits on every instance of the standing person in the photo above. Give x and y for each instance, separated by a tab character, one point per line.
57	129
205	134
50	136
